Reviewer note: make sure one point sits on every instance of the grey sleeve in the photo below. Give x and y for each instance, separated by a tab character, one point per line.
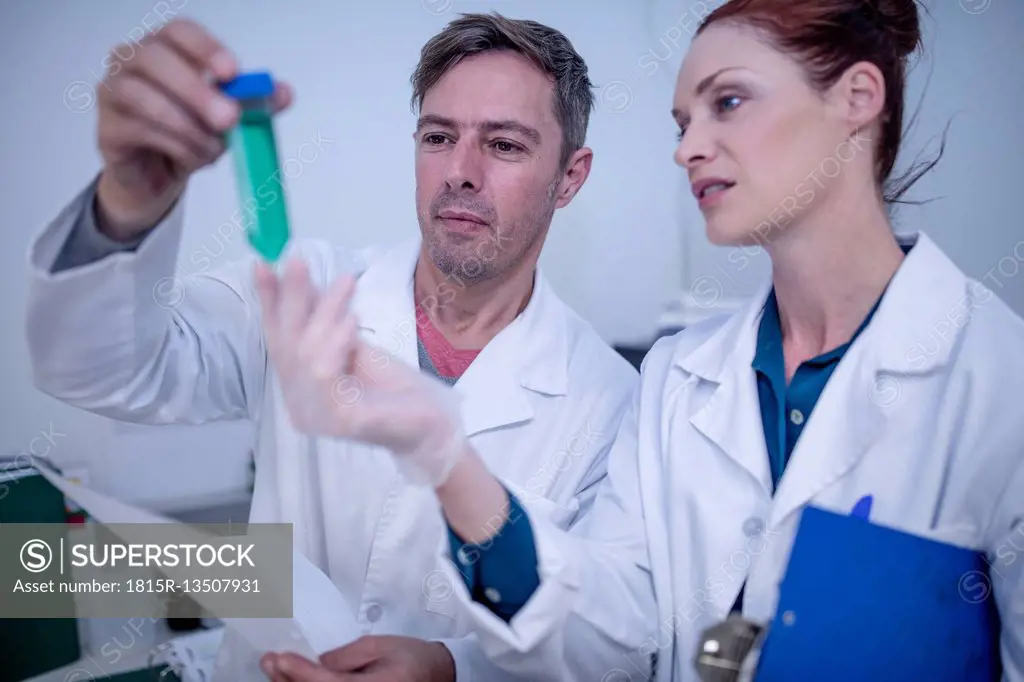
85	243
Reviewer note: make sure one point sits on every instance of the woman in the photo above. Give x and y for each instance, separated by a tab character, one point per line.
869	366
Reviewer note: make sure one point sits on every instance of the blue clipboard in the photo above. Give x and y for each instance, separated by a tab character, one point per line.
861	601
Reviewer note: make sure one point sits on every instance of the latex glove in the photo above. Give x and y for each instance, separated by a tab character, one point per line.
335	384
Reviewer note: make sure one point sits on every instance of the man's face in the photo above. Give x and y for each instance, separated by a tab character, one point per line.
487	165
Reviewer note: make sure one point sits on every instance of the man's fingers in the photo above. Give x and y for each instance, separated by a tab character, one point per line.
355	656
296	300
268	664
176	79
139	98
300	669
200	47
267	290
342	346
282	98
128	132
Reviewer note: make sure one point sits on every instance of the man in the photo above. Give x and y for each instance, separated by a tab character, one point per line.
499	145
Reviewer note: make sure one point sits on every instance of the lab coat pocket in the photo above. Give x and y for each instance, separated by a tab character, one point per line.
539	506
561	515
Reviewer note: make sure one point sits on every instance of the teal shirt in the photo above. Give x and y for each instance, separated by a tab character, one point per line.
786	409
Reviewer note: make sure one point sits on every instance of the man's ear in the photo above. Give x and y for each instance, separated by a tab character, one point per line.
576	172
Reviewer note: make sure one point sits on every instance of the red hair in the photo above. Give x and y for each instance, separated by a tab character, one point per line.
829	36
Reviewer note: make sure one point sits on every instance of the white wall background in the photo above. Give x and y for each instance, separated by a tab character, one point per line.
629	244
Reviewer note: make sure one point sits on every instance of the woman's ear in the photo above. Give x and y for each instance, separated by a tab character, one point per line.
861	94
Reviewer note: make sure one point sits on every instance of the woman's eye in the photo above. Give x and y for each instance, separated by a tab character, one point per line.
729	103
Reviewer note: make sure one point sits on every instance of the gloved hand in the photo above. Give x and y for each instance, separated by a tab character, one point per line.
335	384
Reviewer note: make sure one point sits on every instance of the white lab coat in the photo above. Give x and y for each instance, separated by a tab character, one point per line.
542	403
925	412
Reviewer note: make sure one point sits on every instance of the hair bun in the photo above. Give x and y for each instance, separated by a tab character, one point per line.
899	20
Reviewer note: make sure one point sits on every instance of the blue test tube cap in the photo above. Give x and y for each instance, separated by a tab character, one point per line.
253	85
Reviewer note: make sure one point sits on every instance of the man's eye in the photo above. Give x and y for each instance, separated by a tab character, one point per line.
506	147
434	138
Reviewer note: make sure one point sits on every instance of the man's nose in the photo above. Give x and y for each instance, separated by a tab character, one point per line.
465	166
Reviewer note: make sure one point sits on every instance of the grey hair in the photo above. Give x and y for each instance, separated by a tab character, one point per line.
546	47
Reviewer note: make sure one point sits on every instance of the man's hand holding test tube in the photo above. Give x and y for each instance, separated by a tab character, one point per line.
174	108
171	109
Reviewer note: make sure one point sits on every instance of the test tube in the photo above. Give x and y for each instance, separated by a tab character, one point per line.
257	167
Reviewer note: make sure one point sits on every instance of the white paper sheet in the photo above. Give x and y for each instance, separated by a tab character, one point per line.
322	618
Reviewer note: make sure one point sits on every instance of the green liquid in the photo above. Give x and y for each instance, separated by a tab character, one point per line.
260	183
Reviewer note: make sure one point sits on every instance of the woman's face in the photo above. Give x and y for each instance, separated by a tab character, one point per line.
762	148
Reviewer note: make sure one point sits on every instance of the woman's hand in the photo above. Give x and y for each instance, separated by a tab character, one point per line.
334	384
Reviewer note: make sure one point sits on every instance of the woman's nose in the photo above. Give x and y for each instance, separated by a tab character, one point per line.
695	146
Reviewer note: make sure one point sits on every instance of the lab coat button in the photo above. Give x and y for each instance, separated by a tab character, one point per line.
373	613
797	417
492	595
753	527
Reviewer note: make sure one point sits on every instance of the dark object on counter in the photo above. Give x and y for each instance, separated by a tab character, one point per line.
183	614
184	624
33	646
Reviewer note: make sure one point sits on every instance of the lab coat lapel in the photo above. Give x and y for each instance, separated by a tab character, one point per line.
530	354
873	381
384	303
731	417
846	421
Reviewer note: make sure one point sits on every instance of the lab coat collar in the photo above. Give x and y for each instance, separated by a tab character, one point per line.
731	417
530	354
534	347
733	343
927	298
925	308
383	303
913	331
